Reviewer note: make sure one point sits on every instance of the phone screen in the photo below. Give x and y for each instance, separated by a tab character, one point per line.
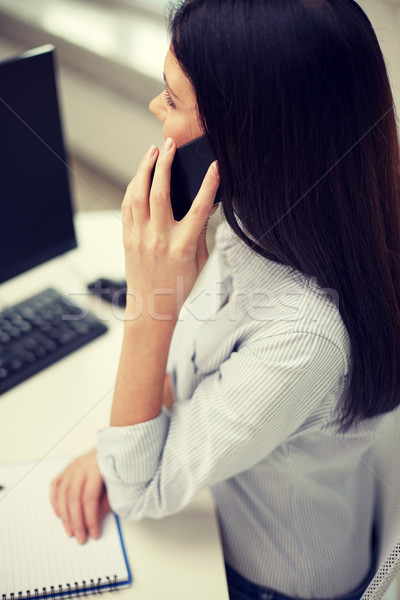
188	170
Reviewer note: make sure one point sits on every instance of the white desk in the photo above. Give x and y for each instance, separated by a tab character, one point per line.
58	411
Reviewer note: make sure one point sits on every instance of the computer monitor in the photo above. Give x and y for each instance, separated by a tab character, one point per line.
36	215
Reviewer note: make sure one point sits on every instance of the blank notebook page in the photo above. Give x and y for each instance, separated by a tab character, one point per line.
35	551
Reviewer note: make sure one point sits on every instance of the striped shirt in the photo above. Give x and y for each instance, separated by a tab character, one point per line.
258	359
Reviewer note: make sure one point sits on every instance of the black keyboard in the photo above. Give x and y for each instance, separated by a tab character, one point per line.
38	332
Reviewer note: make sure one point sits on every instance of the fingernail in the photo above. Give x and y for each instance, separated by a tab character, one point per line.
167	145
67	529
215	169
79	536
151	151
93	533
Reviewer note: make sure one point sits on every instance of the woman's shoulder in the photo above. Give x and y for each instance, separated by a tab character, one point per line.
270	299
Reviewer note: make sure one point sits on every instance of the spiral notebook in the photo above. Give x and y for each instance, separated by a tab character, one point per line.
37	558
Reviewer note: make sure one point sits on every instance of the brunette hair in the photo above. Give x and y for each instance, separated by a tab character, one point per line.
295	99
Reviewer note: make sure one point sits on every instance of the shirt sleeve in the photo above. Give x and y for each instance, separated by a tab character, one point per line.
236	417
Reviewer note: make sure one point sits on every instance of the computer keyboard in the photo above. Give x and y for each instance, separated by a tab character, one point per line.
38	332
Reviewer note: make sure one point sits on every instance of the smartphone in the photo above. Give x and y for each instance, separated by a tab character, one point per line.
189	167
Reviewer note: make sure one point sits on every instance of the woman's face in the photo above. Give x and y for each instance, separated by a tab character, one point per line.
176	106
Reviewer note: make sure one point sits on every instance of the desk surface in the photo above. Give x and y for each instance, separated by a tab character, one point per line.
58	411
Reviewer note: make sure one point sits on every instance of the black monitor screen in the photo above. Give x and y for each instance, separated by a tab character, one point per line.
36	220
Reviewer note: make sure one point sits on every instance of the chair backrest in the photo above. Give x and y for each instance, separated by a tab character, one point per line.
387	469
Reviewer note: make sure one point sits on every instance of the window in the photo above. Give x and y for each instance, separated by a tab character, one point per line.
155	6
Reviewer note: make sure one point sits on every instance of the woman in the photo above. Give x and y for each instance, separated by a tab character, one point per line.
276	396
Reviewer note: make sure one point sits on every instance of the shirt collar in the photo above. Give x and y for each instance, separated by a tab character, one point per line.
249	269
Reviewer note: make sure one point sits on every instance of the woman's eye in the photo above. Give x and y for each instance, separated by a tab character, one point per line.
168	98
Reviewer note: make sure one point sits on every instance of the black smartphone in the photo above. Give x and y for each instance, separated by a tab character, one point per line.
189	167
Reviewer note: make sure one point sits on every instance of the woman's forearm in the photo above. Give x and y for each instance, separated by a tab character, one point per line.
163	259
139	390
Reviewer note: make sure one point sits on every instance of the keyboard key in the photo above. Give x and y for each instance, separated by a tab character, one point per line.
28	312
66	337
37	321
51	332
46	327
46	314
39	351
49	345
4	337
30	343
16	363
28	357
25	327
14	332
80	327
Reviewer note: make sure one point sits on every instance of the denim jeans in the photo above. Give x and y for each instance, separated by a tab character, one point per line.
241	589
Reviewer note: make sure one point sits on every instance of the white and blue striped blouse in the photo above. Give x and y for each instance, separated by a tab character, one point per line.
258	359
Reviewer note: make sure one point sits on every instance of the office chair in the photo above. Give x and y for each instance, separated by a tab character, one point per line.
386	466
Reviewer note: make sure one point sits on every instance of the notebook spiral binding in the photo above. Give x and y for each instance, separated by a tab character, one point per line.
107	584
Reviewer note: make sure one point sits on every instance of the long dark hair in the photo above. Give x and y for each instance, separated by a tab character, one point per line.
295	99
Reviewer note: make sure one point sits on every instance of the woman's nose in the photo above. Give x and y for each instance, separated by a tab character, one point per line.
157	107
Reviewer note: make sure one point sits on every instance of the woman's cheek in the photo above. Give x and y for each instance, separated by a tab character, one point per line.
180	130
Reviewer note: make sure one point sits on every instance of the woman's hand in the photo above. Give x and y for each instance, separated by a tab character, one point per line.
163	257
79	497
